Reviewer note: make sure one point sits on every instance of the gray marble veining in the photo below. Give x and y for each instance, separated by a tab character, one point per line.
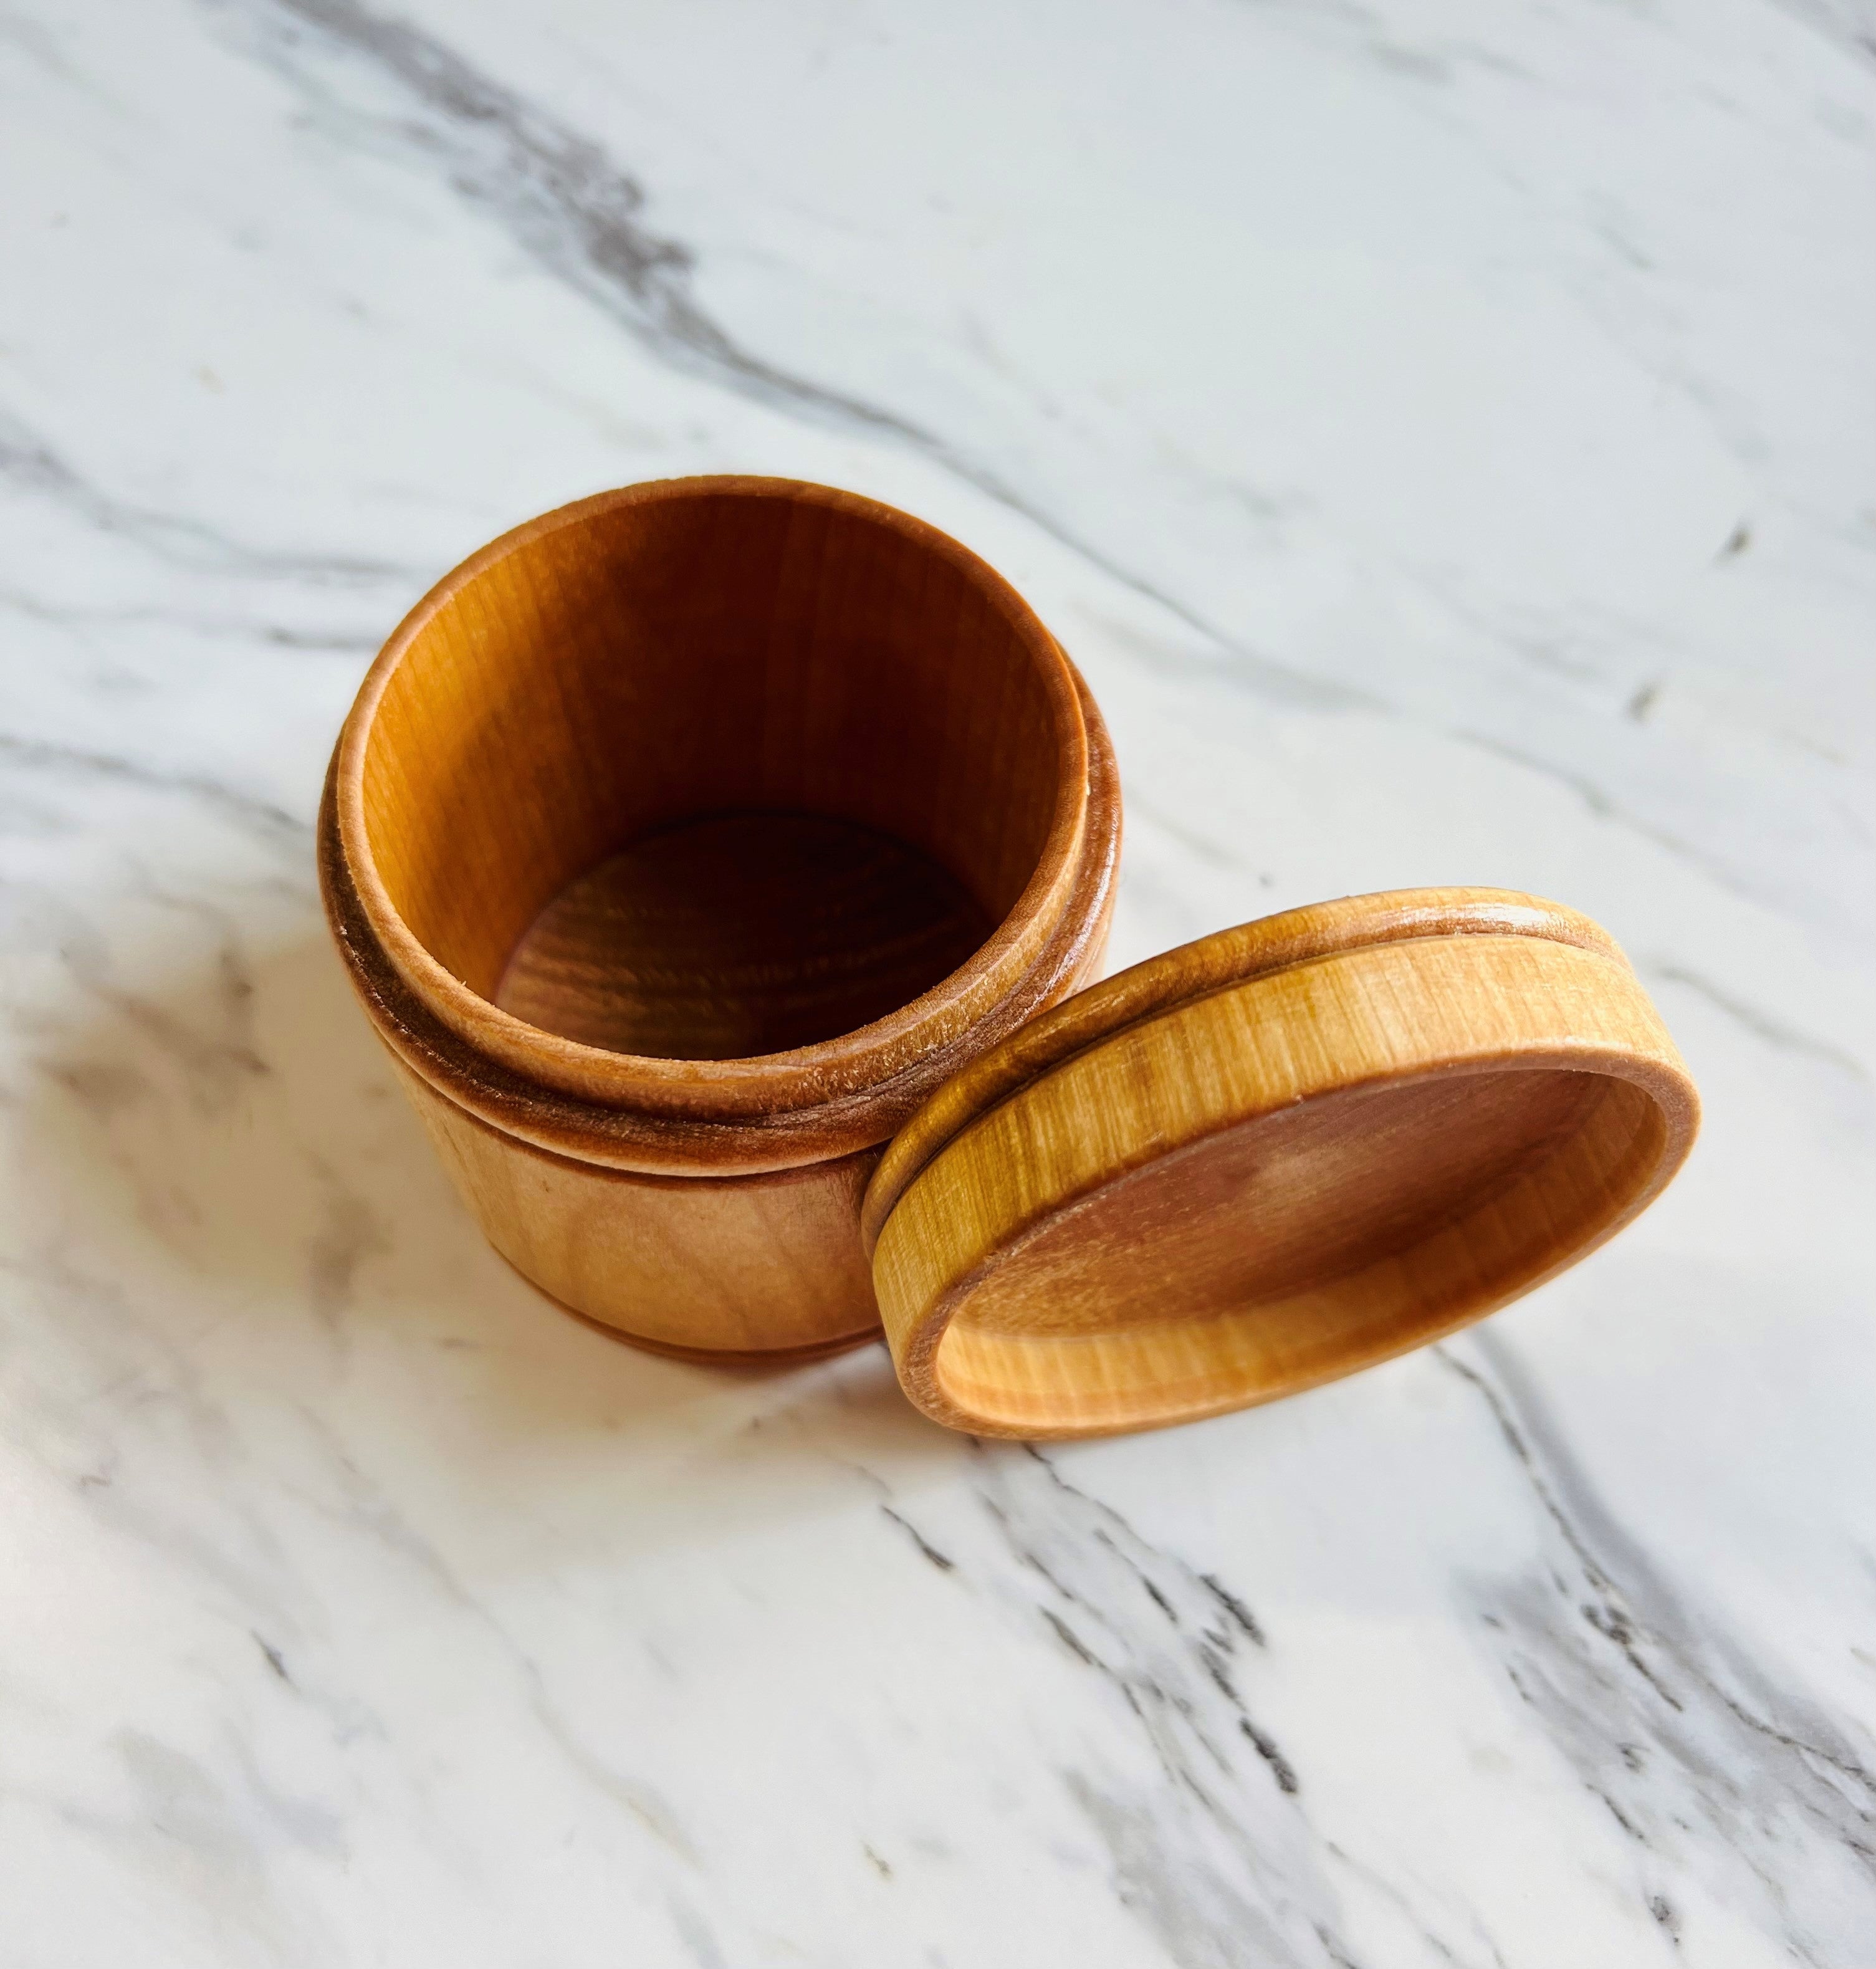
1447	442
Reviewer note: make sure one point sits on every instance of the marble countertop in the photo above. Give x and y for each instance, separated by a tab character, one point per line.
1446	438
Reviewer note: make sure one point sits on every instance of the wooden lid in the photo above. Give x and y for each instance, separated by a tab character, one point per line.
1269	1159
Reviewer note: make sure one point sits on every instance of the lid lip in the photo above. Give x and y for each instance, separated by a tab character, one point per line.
1588	1016
1162	983
918	1363
850	1064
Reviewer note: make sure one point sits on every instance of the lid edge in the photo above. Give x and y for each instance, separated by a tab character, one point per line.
1176	977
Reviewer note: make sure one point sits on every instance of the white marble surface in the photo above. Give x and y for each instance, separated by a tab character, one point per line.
1446	436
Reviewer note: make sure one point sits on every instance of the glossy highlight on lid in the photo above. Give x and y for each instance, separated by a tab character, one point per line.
1270	1159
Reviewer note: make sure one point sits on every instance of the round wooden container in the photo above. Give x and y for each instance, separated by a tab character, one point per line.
679	843
721	861
1270	1158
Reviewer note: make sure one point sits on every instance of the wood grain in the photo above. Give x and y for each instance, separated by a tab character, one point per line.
1250	1189
693	648
1226	957
677	845
741	1267
651	1142
741	935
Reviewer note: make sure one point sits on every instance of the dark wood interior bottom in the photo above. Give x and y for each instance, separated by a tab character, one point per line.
1266	1213
741	935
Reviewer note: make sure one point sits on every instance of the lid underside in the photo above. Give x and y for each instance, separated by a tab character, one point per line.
1270	1159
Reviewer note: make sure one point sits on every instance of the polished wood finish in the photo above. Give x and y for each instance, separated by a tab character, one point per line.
722	861
628	1138
685	770
1270	1159
740	935
693	648
742	1267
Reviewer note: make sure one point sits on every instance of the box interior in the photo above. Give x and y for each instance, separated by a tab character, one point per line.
714	777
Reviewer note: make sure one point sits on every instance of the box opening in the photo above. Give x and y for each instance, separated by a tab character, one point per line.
714	777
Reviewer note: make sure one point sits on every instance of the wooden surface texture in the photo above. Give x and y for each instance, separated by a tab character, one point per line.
739	1266
740	935
695	648
1247	1189
678	846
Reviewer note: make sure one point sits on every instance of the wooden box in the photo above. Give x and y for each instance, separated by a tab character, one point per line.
722	861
